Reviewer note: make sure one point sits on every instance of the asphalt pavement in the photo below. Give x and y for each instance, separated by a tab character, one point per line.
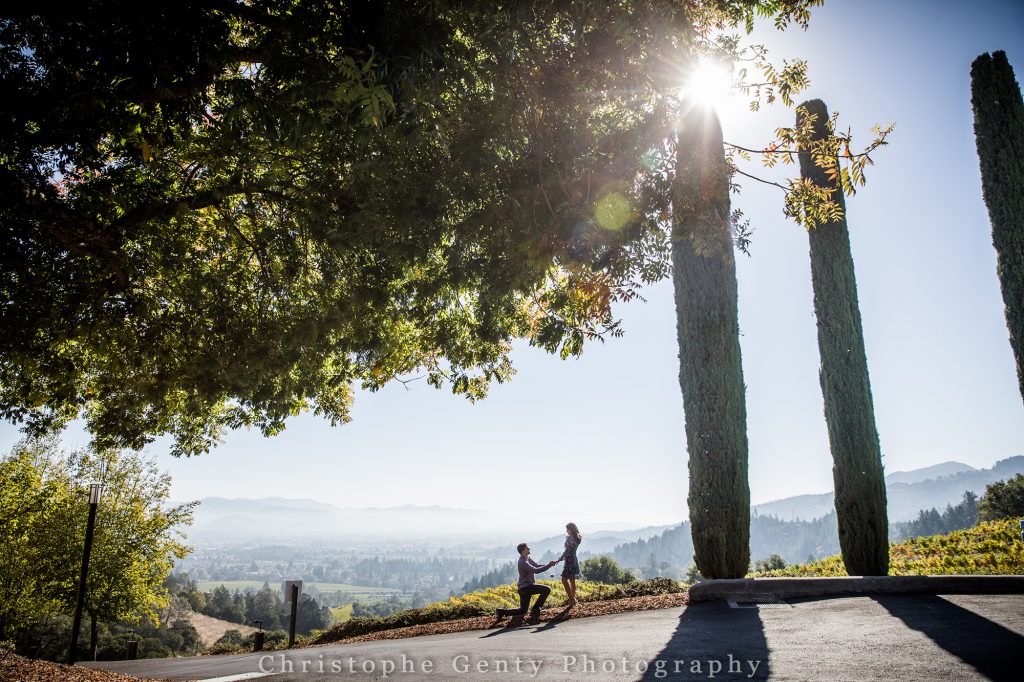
879	637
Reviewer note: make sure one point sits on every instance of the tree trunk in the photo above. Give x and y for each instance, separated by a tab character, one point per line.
710	369
999	132
92	636
849	409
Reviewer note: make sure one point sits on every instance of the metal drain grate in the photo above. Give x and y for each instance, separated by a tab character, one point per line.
758	604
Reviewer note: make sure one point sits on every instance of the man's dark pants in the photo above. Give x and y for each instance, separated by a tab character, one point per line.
525	593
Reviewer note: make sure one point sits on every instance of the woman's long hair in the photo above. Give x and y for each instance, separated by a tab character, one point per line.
574	531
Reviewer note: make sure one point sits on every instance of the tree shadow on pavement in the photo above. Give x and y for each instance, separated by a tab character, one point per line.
996	652
726	642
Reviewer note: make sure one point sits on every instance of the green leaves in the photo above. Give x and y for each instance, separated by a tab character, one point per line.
807	203
361	87
42	527
265	206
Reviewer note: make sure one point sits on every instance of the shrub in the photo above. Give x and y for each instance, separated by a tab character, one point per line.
602	569
773	563
152	647
231	636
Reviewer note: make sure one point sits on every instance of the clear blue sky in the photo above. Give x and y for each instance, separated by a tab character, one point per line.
601	439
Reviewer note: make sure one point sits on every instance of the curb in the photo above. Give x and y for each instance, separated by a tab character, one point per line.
747	589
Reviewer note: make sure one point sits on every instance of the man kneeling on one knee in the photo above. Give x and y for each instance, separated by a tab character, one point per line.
528	587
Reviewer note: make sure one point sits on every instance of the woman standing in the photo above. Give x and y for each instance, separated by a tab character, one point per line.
571	571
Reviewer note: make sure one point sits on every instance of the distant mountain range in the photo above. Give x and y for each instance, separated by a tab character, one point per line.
222	520
219	519
803	527
908	492
597	542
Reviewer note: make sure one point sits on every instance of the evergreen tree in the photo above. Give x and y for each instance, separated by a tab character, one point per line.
710	370
845	386
1003	500
311	616
219	604
931	522
265	606
999	132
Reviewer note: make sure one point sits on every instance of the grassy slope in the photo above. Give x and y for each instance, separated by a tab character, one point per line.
341	613
211	629
992	548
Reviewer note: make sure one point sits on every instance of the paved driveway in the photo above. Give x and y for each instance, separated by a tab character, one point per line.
886	637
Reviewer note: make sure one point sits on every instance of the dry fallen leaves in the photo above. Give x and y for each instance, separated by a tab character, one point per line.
15	668
555	615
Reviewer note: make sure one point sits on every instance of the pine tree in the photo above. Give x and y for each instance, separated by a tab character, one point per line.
999	132
845	386
710	369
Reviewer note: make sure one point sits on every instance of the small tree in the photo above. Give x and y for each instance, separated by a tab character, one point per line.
311	616
1003	500
264	606
603	569
138	536
774	562
42	529
31	497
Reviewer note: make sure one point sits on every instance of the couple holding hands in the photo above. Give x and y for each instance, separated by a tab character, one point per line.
528	568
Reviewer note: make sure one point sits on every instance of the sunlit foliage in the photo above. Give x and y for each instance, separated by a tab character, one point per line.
223	214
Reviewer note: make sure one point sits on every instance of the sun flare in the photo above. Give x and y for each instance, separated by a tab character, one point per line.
709	84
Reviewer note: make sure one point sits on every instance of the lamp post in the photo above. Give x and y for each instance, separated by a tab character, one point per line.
94	500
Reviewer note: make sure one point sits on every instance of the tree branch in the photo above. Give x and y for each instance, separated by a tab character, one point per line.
754	177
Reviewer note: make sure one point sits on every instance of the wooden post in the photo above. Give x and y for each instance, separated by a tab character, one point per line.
295	613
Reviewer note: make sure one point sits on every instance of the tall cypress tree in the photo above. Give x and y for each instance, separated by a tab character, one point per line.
710	371
849	410
999	132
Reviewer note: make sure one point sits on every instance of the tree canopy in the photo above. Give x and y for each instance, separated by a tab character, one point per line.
42	534
1002	500
218	214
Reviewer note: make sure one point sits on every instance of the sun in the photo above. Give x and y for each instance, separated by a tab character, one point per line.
709	84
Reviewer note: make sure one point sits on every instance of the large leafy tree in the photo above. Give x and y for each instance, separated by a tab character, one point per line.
845	385
137	535
218	213
999	132
32	495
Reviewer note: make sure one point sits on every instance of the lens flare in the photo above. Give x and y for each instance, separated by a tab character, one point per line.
709	84
612	211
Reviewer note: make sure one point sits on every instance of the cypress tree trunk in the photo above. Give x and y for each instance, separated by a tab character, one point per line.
845	386
999	132
710	371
